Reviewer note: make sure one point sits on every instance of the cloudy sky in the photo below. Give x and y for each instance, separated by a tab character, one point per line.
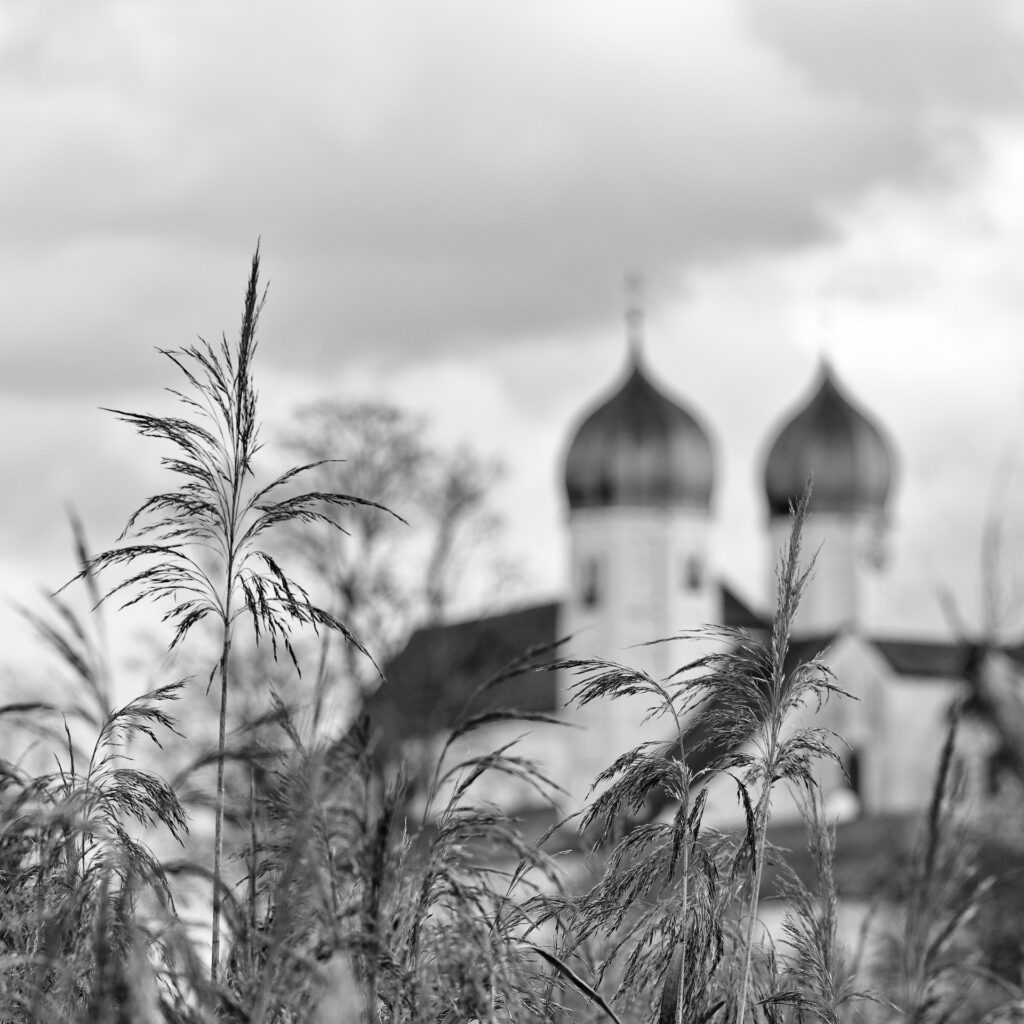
449	194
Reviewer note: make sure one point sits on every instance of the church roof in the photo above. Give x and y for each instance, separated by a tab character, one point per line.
738	614
448	670
639	447
833	442
934	659
443	670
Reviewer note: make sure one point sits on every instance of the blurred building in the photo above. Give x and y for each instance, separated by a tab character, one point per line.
639	478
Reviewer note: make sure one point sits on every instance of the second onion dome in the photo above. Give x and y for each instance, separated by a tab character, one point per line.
639	448
839	447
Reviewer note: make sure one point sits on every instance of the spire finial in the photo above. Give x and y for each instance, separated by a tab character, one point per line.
826	332
635	314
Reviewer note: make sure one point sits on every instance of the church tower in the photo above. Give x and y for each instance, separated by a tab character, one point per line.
638	476
839	447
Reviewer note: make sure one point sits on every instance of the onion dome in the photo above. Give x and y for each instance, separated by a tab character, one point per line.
836	445
639	448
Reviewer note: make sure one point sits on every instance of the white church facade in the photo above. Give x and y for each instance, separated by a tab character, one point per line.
639	480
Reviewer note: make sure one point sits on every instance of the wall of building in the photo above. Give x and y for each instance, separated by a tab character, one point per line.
636	575
848	569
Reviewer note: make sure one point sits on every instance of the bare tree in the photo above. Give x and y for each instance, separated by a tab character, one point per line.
387	577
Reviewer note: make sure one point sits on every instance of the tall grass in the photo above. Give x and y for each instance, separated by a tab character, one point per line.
367	896
699	894
73	867
820	980
198	547
925	967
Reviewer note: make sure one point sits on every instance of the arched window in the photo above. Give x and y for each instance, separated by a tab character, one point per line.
691	575
852	764
590	582
992	776
997	767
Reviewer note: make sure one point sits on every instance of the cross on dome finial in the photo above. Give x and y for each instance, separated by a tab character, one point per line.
826	333
635	314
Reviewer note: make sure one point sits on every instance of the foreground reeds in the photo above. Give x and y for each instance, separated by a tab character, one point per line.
364	895
198	548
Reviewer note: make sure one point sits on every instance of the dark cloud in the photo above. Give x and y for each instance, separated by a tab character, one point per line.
924	56
445	175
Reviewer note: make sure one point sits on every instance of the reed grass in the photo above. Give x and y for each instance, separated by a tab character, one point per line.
198	548
366	895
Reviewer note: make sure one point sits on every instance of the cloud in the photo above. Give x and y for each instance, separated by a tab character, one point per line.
951	56
460	185
425	177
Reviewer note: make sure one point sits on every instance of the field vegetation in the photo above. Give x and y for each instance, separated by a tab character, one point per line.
283	876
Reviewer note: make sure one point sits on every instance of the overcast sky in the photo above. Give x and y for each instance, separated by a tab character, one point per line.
449	194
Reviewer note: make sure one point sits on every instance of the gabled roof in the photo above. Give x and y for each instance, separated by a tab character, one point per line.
872	851
805	648
934	659
867	850
443	671
737	613
435	678
923	659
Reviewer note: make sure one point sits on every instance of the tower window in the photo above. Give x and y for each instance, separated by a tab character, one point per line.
996	769
854	771
992	771
590	582
691	572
